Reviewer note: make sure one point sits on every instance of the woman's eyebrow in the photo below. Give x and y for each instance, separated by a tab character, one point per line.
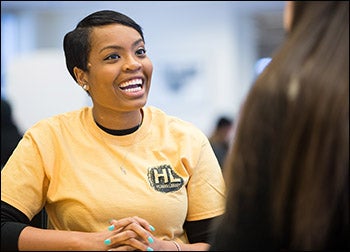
119	47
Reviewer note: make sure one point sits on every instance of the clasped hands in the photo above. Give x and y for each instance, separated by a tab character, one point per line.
131	233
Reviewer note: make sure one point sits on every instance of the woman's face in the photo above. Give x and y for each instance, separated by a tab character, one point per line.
119	71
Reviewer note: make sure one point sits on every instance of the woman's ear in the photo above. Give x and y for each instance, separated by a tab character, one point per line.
80	76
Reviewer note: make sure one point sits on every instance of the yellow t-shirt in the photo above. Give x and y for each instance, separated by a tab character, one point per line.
165	172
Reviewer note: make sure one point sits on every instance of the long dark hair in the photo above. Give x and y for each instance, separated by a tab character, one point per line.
288	170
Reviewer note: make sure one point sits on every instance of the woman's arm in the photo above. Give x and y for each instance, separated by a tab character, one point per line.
35	239
16	234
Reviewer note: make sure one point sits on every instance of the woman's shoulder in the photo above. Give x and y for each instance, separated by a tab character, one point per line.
62	120
172	123
159	114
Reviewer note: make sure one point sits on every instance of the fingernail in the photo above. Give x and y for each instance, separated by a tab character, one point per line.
151	227
107	241
149	249
111	228
150	239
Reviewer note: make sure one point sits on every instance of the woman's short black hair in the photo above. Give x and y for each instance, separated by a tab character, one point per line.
76	43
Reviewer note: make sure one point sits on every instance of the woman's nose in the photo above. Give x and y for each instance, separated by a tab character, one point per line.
132	64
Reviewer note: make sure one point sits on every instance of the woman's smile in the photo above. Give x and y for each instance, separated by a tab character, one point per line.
132	87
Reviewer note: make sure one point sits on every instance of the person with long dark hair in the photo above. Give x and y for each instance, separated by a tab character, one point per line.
288	170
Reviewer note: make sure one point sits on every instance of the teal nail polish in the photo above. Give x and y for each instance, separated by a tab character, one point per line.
149	249
151	227
107	242
111	228
150	239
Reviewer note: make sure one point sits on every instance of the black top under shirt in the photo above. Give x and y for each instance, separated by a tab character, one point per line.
14	221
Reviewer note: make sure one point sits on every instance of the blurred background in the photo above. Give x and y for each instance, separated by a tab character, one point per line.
205	54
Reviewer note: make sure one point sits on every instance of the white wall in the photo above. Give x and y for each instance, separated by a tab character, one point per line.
214	39
39	86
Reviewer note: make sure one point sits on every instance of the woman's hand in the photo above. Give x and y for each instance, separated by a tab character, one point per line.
131	233
135	233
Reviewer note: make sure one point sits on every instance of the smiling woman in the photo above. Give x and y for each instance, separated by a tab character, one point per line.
97	171
117	62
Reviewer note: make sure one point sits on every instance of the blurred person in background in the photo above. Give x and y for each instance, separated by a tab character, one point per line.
220	138
10	137
10	134
288	171
118	175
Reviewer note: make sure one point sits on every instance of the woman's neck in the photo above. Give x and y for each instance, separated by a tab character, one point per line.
112	120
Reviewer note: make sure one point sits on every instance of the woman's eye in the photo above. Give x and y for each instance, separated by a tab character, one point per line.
141	52
112	57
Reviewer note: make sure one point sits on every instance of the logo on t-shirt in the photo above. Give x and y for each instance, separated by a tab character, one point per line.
164	179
